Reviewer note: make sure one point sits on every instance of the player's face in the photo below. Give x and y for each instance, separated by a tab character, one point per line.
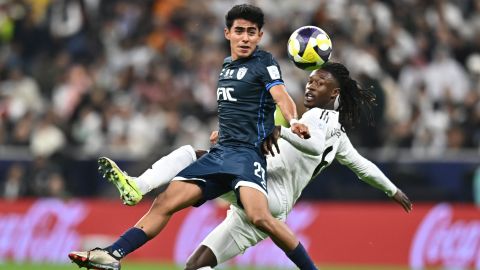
243	36
321	90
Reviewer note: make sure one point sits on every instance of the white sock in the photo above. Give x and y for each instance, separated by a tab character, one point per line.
165	169
205	268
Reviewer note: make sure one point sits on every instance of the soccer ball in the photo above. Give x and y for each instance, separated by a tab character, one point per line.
309	47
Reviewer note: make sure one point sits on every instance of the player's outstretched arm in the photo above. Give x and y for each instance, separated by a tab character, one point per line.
289	110
370	173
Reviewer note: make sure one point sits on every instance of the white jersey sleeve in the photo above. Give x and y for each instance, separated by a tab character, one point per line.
317	127
362	167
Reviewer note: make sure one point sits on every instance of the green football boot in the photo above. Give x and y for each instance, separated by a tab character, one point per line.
129	192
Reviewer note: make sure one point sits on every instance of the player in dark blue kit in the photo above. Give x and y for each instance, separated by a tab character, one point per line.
249	86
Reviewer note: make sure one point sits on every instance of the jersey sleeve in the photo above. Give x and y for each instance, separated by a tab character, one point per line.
362	167
270	73
317	128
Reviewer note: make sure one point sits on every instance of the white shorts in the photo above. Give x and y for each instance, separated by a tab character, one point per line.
233	236
236	234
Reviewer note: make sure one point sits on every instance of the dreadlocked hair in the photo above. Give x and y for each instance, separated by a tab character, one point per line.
354	100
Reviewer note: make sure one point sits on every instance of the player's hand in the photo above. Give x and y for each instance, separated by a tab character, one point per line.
403	200
301	130
214	137
270	141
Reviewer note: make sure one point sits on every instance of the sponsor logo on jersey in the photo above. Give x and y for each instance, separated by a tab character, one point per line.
229	74
225	93
241	72
336	132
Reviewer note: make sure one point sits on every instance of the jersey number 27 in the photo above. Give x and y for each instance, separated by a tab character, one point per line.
260	172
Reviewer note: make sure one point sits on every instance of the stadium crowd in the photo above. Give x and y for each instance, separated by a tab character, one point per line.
133	79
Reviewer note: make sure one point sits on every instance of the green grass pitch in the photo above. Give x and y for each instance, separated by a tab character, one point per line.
125	266
152	266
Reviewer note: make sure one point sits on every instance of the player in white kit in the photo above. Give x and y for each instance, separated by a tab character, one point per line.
301	161
335	102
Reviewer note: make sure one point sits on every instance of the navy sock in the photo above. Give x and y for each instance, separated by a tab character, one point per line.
300	257
127	243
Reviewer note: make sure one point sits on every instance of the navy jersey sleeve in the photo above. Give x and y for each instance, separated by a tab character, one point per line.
270	72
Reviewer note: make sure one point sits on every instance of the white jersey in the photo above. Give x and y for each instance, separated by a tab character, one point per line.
297	164
302	160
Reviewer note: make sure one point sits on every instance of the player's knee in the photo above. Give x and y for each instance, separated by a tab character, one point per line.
260	220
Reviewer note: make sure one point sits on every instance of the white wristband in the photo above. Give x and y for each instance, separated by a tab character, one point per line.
293	121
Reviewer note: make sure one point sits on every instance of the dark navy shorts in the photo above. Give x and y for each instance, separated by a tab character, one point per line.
225	168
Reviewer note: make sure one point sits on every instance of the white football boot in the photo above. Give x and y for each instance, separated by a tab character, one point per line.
96	258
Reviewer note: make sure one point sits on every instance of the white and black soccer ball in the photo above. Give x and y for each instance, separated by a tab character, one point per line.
309	47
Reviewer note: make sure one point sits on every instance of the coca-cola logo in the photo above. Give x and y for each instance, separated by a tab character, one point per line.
201	221
46	232
441	241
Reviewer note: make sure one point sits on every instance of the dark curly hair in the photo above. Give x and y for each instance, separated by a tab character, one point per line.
354	100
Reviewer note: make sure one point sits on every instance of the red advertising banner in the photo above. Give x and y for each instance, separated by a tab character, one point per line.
334	233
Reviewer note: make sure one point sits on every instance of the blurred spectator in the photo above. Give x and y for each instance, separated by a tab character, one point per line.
87	131
47	138
23	130
89	77
56	186
67	95
39	174
14	185
66	18
23	94
440	87
476	187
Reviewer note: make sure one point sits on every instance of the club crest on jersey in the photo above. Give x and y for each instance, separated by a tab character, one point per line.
241	72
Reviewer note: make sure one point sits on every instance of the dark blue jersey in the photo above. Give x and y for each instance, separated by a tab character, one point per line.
245	105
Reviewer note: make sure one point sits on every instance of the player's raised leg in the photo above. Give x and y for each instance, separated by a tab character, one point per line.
166	168
132	189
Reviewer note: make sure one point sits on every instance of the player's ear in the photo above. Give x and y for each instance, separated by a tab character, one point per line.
226	31
260	35
335	93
